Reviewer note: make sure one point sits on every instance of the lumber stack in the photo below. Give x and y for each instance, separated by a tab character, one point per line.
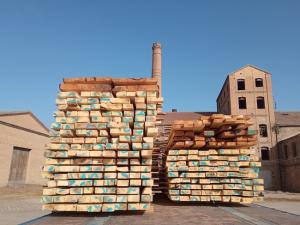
100	157
211	159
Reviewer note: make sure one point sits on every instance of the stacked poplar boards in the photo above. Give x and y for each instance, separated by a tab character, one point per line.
100	158
210	159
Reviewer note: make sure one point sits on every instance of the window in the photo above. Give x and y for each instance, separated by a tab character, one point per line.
242	103
241	84
265	154
260	101
285	150
259	82
263	130
294	148
281	151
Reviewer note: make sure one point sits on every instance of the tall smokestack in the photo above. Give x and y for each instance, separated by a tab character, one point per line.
156	64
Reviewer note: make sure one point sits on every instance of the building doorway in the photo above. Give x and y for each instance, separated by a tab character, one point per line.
18	166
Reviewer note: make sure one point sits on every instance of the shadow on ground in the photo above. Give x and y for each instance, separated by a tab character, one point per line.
159	199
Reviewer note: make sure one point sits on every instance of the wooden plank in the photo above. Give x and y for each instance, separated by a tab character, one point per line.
85	87
93	80
134	88
134	81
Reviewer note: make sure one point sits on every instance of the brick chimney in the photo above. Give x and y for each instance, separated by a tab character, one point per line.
156	64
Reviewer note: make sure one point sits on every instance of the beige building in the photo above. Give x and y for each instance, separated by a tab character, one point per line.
248	91
22	143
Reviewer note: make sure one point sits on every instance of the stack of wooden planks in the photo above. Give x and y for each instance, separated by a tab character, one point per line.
211	159
100	157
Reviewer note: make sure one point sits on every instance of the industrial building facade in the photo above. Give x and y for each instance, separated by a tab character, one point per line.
22	143
289	163
287	129
248	91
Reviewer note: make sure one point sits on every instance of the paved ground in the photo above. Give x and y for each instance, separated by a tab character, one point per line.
21	206
282	201
170	213
279	195
284	206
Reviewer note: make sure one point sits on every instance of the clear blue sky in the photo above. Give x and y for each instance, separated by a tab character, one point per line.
43	41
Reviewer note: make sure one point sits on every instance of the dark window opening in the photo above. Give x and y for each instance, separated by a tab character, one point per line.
259	82
263	130
294	147
285	149
265	153
260	101
281	151
241	84
242	103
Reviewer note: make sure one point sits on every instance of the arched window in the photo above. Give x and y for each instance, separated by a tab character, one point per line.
263	131
260	102
259	82
241	84
265	153
242	103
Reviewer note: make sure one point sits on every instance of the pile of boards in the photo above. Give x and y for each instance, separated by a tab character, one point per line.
211	159
100	157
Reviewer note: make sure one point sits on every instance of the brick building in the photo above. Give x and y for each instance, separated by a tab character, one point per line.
248	91
289	163
288	149
22	143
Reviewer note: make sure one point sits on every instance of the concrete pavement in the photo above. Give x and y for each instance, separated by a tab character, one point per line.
21	206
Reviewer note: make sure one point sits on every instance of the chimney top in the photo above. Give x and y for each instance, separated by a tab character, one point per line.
156	45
